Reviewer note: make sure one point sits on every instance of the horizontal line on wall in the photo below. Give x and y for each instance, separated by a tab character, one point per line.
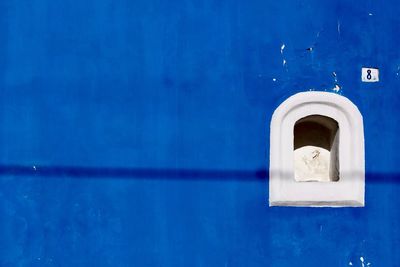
140	173
160	174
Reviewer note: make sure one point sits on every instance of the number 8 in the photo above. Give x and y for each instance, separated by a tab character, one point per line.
369	75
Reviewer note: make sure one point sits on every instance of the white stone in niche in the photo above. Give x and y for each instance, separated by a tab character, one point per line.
317	152
311	163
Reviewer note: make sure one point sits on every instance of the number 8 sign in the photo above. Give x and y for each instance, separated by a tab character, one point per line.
370	75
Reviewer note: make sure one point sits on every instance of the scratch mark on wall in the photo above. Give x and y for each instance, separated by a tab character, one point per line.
362	261
336	88
282	48
283	60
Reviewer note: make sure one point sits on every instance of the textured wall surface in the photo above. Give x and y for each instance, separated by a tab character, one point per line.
135	133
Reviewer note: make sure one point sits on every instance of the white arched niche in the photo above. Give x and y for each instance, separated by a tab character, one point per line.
317	152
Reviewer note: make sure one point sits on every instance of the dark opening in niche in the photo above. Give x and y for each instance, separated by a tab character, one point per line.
316	149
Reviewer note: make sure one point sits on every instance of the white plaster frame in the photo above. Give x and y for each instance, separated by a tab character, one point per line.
349	190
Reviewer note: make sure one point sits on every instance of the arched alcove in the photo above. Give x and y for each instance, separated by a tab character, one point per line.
313	125
316	144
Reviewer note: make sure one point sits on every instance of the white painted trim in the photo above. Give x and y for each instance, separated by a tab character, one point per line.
349	190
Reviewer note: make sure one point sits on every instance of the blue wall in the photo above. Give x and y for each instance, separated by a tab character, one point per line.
135	133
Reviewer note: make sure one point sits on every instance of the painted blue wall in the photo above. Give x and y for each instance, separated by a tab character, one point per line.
135	133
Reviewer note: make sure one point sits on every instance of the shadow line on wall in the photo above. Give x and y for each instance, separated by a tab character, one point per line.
260	175
133	173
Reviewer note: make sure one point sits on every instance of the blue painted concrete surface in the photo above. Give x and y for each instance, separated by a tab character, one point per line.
136	133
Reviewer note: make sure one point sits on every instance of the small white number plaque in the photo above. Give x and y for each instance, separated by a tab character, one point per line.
370	75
